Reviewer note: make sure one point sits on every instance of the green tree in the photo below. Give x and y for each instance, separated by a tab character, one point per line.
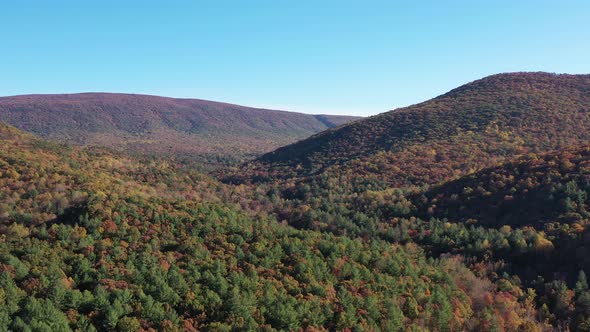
41	315
581	283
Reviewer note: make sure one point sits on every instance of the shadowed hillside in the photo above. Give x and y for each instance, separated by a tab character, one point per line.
535	190
141	123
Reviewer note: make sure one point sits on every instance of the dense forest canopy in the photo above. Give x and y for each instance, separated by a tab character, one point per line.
468	212
92	240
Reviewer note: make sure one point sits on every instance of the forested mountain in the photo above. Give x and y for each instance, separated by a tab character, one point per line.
474	126
494	171
141	123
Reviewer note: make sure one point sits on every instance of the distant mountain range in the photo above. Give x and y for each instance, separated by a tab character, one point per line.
151	124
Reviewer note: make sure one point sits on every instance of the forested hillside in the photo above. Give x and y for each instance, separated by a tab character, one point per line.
531	214
167	126
477	125
530	191
96	241
494	171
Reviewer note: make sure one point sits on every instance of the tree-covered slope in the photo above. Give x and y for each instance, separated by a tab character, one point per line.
474	126
553	187
141	123
95	241
449	176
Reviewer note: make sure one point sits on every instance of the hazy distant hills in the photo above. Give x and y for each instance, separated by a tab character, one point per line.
476	125
142	123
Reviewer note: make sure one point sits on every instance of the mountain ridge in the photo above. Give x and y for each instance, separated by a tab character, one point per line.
517	112
148	123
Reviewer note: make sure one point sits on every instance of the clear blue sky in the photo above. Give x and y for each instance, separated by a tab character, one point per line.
347	57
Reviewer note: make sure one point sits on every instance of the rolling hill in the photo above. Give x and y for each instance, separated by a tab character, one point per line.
151	124
476	125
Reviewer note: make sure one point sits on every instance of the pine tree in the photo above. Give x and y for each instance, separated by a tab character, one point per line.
582	283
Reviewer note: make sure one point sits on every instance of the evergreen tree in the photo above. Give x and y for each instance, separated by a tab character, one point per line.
581	283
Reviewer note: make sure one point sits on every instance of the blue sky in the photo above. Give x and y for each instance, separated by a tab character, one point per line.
338	57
